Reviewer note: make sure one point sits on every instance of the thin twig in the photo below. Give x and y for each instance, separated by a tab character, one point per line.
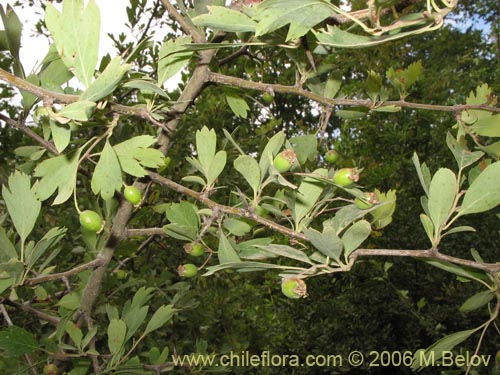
30	133
83	267
264	87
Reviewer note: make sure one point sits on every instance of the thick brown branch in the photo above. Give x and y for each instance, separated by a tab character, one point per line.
44	278
226	209
187	27
265	87
30	133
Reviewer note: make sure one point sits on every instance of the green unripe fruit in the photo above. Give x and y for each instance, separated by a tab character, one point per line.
331	156
497	358
284	160
132	194
121	274
50	369
91	220
187	270
294	288
267	98
195	249
346	176
369	200
250	67
166	162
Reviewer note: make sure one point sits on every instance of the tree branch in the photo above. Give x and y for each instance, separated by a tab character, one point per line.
68	99
83	267
226	209
187	27
202	198
54	320
266	87
30	133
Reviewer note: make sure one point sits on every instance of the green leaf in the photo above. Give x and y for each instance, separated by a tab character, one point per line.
70	301
78	111
172	58
336	37
327	242
206	142
455	269
48	241
17	341
442	193
54	75
7	249
181	232
225	19
487	126
250	170
226	252
382	213
107	177
57	174
373	85
134	318
12	32
76	35
445	344
464	228
272	148
183	213
146	86
159	318
74	332
238	105
22	203
287	252
216	167
477	301
237	227
249	266
107	81
354	236
428	226
484	193
462	155
134	154
307	195
61	135
305	146
302	15
117	330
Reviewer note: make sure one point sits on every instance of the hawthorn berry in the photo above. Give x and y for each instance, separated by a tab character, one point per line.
132	194
50	369
187	270
331	156
267	98
91	220
195	249
294	288
369	200
284	160
346	176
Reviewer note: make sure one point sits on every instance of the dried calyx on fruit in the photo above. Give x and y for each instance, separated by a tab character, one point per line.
194	249
346	176
368	200
293	287
284	160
